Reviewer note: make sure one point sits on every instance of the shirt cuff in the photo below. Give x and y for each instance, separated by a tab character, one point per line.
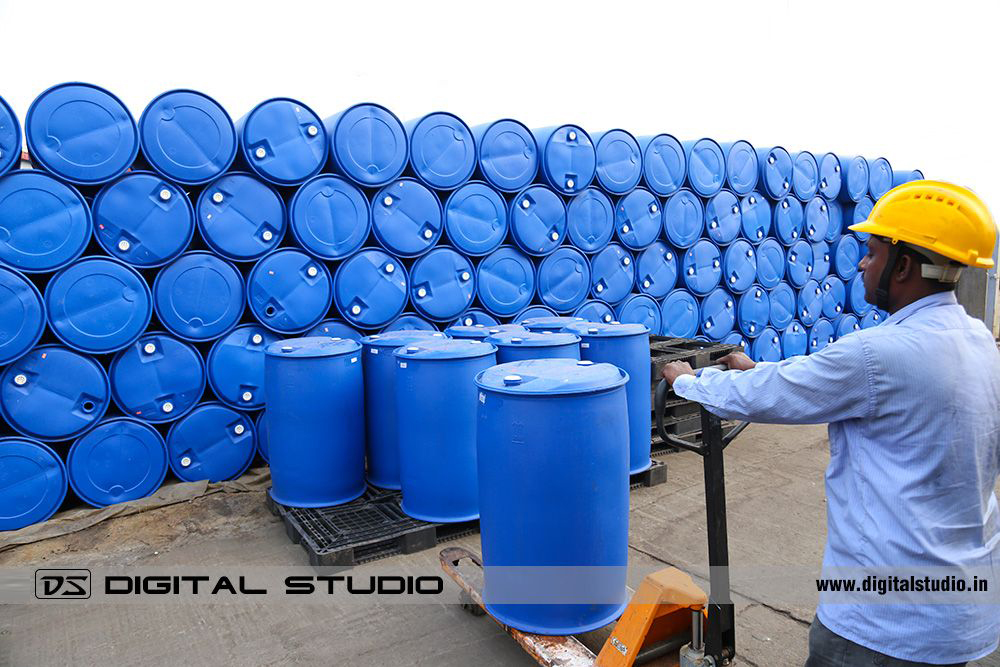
682	384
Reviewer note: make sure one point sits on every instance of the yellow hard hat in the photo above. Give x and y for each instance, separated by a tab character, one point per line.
944	218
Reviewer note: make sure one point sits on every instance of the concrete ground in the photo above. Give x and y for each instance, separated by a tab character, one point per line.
776	516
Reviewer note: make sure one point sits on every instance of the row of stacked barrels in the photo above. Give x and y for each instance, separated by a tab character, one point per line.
144	267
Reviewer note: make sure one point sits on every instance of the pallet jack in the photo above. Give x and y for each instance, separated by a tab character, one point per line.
669	616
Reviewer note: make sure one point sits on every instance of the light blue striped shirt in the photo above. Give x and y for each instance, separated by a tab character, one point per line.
914	422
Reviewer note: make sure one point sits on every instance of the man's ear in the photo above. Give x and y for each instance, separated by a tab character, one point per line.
904	267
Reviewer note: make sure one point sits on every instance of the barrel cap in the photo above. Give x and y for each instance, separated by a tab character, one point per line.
24	317
446	348
289	292
767	346
283	141
640	309
533	311
595	310
481	331
532	339
782	302
199	296
508	154
638	219
701	267
329	217
10	138
235	366
846	255
569	160
794	340
318	346
854	178
334	328
410	322
821	335
742	170
34	482
240	217
718	314
775	171
723	218
537	219
664	165
800	263
755	215
612	273
619	161
475	316
394	339
809	307
213	442
551	377
706	166
370	288
122	459
805	175
847	324
770	263
475	218
442	150
681	314
683	218
753	311
607	329
739	266
158	378
822	259
879	177
816	219
830	176
553	324
656	270
564	279
367	144
407	218
442	284
856	296
834	297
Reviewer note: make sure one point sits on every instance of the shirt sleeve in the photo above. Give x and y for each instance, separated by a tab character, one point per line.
831	385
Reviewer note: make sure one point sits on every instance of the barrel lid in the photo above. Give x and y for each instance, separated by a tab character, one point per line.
564	279
595	310
199	296
656	270
157	378
821	260
442	150
742	170
706	166
836	227
569	159
10	138
770	263
898	176
34	482
753	311
394	339
821	335
505	281
879	177
553	323
664	165
846	255
532	312
187	136
856	295
767	346
834	296
805	175
782	304
816	219
702	267
98	305
475	217
681	314
847	324
775	171
53	393
537	220
755	214
612	273
236	366
22	315
329	217
642	310
312	347
859	213
334	328
143	220
214	442
447	348
810	303
607	329
800	263
788	219
830	173
480	331
370	289
794	340
551	377
121	459
240	217
368	144
409	322
683	218
406	218
81	133
619	161
854	176
723	219
289	291
508	155
739	266
872	318
283	141
475	316
46	224
638	219
590	220
533	338
442	284
718	314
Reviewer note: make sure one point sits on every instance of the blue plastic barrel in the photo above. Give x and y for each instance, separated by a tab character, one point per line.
821	260
626	346
821	335
505	281
53	393
880	177
856	296
34	482
120	460
282	141
515	345
706	166
681	314
836	228
771	265
368	144
701	267
260	425
742	169
157	379
872	318
800	263
143	220
289	291
235	366
595	310
409	322
638	219
788	220
718	314
683	218
213	442
854	176
805	175
382	436
794	340
98	305
508	154
568	158
81	133
755	214
612	273
46	224
475	219
10	138
442	284
846	255
475	316
241	217
810	303
442	150
723	219
775	171
564	279
334	328
436	408
767	346
736	338
641	309
590	220
664	165
739	266
370	289
480	331
407	218
22	315
847	324
187	137
537	219
816	220
834	297
199	296
656	270
830	176
528	526
782	305
753	311
329	217
902	176
619	161
532	312
855	213
550	324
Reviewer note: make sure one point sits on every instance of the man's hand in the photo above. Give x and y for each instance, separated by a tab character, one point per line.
675	369
737	361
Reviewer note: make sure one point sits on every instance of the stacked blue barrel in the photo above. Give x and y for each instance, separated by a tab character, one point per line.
146	266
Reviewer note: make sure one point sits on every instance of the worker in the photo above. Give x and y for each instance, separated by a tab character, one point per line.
913	408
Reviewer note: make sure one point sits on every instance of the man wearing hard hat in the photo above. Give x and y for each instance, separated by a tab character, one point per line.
913	408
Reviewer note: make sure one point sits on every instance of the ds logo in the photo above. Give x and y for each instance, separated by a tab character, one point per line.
62	584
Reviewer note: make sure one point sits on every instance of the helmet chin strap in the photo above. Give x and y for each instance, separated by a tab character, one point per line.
882	291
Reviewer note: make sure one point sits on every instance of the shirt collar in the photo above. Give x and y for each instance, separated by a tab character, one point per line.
940	299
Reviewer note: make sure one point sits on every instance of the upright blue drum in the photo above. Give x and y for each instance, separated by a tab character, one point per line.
638	219
370	289
235	366
22	315
590	220
199	296
706	166
612	274
681	314
537	220
283	141
656	271
480	331
640	309
619	161
564	279
368	144
505	281
289	292
442	150
475	219
212	442
34	482
569	160
158	378
120	460
742	169
515	346
549	324
507	154
240	217
407	218
10	138
442	284
664	165
329	217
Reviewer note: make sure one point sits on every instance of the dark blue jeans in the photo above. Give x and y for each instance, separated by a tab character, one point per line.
828	649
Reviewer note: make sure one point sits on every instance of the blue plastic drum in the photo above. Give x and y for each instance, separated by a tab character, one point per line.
10	138
550	324
856	296
702	267
830	176
664	165
22	315
846	255
236	366
508	155
805	175
199	297
834	297
515	346
880	177
537	220
442	150
329	217
367	144
855	178
742	169
638	219
847	324
409	322
187	137
619	161
157	379
34	482
821	335
442	284
800	263
334	328
736	338
214	442
821	260
569	159
810	303
723	218
718	314
739	266
262	440
474	317
775	171
283	141
370	289
683	219
794	340
656	271
480	331
407	218
816	219
771	264
872	318
859	212
240	217
641	309
706	166
612	274
901	176
753	311
755	214
475	218
782	301
590	220
681	314
531	312
289	291
836	227
505	281
120	460
767	346
564	279
788	220
595	310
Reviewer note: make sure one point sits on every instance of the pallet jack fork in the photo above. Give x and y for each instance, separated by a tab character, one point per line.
669	616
